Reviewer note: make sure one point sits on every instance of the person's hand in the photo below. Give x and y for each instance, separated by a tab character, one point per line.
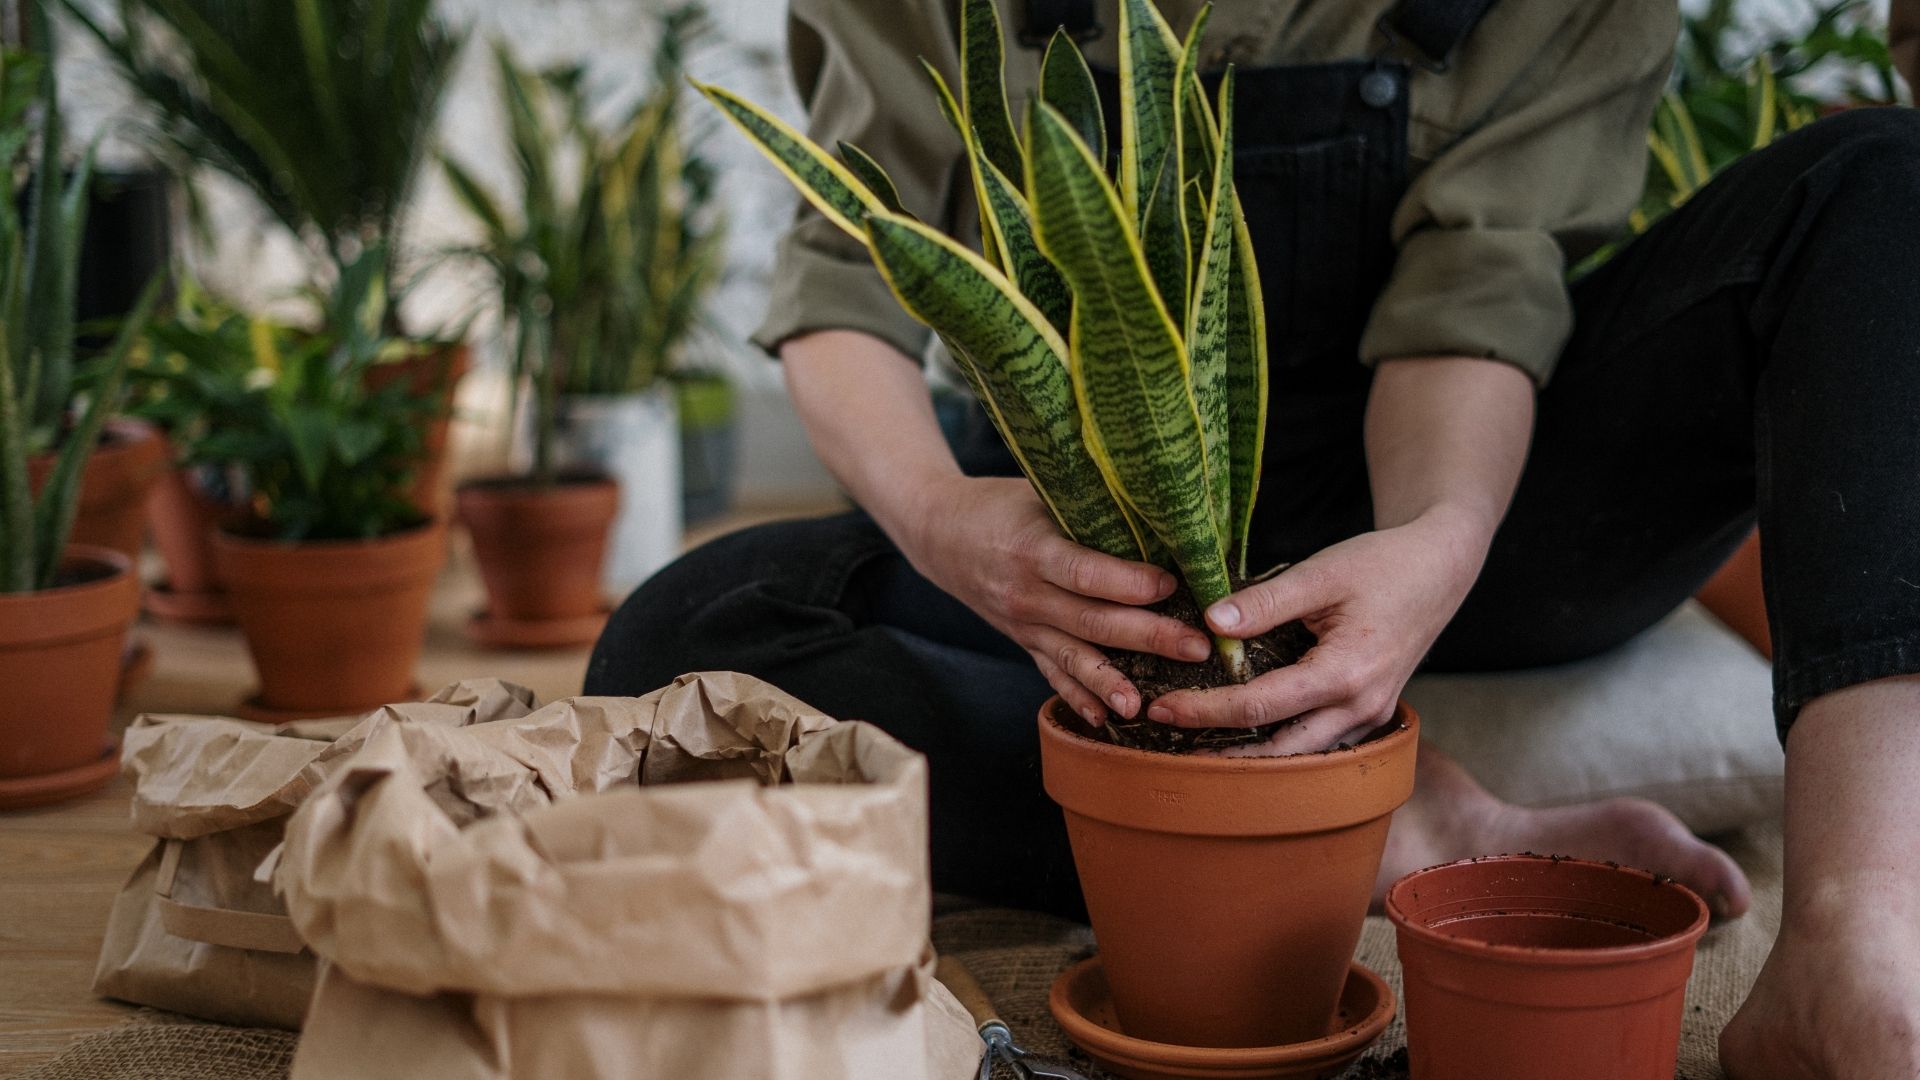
1837	1000
990	543
1376	602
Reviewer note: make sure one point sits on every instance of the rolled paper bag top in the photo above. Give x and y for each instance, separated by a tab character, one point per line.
715	839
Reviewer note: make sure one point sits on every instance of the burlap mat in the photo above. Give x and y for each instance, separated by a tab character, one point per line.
1015	955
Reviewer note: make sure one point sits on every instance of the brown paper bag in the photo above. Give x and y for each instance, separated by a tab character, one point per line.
505	901
192	931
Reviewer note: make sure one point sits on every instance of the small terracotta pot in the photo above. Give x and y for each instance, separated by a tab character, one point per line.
1227	893
540	551
184	520
1516	960
59	669
1735	596
129	460
438	370
335	626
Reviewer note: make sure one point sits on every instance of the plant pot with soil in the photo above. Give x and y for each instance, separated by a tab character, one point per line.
1115	333
64	611
1513	960
328	563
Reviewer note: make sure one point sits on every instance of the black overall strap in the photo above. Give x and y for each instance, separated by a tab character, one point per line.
1435	27
1076	17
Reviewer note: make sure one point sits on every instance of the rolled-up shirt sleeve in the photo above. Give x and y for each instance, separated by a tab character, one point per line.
857	66
1488	228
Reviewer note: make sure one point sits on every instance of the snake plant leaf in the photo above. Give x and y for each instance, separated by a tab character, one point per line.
1246	374
1016	362
949	105
1149	63
1066	83
956	119
1209	323
1164	234
828	185
983	84
1197	131
1007	228
862	165
1130	368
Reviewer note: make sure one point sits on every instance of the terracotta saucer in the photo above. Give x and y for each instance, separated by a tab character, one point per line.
492	631
189	608
252	709
1080	1003
20	792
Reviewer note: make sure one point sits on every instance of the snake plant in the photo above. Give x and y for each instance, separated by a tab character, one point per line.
1112	325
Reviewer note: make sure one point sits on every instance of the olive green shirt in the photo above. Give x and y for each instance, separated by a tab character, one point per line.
1528	153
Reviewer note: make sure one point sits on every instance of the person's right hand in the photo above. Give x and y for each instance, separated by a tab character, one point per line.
990	543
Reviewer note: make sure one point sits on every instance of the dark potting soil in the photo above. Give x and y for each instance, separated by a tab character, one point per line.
1155	676
1392	1067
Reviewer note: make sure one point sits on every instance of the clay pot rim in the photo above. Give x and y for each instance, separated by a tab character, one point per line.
1403	713
1547	956
117	564
522	485
1098	1039
226	536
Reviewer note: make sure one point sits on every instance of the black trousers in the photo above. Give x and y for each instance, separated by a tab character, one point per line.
1756	353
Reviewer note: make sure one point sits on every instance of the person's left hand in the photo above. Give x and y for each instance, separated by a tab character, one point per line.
1376	602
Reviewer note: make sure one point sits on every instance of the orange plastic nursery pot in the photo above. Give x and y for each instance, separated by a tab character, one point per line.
59	670
540	550
335	626
112	511
1227	894
1516	960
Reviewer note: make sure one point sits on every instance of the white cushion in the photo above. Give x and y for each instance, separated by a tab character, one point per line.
1681	715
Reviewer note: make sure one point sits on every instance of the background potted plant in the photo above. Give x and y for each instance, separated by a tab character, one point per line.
328	561
1114	331
64	611
616	235
323	111
709	441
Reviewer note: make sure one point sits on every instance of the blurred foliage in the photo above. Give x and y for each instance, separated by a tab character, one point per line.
604	267
315	449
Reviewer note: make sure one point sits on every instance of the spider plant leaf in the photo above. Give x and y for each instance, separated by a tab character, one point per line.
983	86
1066	83
1007	225
834	190
1163	233
1209	323
1016	363
1130	368
861	165
1149	63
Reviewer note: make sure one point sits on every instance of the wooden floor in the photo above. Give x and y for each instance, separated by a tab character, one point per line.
60	867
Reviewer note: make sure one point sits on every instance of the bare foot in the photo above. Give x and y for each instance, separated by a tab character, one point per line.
1450	816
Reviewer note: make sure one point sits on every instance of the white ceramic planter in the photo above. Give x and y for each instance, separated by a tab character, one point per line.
634	438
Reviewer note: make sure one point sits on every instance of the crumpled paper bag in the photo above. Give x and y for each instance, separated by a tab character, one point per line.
192	931
713	880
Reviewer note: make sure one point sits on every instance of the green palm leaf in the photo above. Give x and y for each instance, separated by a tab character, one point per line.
1130	369
1014	359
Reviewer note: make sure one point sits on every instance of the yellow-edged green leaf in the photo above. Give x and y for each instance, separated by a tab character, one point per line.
1067	84
1197	131
1246	375
1005	214
825	183
1149	62
1130	370
1209	322
869	172
950	108
1016	363
949	105
983	86
1164	234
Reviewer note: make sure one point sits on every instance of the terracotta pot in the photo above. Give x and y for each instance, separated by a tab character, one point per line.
59	666
1518	959
1735	596
184	520
436	371
1227	893
335	626
112	513
540	551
